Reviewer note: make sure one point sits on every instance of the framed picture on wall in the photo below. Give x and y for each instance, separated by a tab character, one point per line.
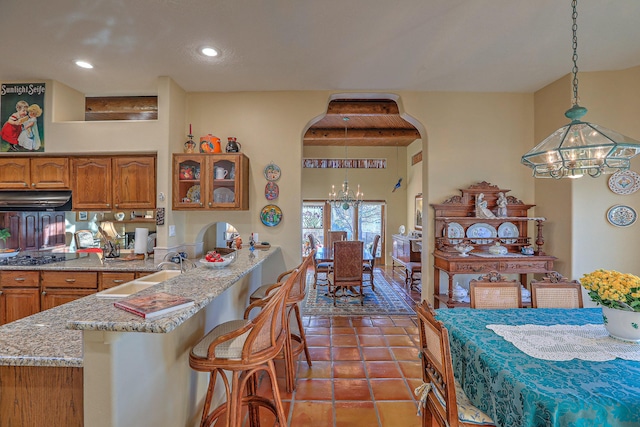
82	216
418	212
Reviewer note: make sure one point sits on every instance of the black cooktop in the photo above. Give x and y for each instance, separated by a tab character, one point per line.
36	259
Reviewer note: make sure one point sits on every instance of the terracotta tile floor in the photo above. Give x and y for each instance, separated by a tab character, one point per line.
364	370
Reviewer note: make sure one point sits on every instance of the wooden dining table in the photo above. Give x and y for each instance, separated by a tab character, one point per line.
516	389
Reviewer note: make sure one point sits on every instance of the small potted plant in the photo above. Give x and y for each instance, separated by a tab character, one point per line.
4	235
619	296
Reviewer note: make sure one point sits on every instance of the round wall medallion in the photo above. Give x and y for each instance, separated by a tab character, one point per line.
271	191
272	172
271	215
621	216
624	182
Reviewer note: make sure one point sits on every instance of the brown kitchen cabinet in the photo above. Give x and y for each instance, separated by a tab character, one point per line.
134	182
19	295
210	182
41	173
61	287
110	279
114	182
34	230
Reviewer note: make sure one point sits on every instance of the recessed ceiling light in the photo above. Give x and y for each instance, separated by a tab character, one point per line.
209	51
83	64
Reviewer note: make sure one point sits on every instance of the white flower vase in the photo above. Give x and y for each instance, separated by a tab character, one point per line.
622	324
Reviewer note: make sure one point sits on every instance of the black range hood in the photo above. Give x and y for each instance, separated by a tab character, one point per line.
35	200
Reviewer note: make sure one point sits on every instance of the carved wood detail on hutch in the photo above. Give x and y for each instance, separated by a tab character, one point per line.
457	214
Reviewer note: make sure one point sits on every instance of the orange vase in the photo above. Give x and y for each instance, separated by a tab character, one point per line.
210	144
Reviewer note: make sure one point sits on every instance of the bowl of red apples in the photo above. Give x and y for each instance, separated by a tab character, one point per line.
218	259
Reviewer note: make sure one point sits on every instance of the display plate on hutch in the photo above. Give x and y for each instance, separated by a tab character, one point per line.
621	216
624	182
508	229
481	233
454	232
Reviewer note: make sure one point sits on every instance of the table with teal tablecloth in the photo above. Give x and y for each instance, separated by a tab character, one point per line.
519	390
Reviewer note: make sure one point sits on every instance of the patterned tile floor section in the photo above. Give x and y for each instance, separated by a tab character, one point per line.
364	371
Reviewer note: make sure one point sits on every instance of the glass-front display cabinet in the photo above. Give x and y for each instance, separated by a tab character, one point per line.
210	182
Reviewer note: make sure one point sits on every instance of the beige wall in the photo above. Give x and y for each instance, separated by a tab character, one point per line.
467	138
375	183
577	231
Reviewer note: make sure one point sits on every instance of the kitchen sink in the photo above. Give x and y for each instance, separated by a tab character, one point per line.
138	285
124	290
159	276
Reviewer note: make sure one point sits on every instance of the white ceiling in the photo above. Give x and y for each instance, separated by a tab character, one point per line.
370	45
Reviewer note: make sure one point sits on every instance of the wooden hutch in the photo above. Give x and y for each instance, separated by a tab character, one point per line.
456	223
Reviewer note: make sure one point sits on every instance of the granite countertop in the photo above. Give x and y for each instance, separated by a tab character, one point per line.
88	262
54	337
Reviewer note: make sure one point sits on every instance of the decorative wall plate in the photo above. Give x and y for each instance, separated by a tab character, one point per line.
621	216
454	232
508	229
271	215
481	233
272	172
271	191
624	182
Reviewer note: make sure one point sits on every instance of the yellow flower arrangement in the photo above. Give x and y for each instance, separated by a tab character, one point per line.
613	289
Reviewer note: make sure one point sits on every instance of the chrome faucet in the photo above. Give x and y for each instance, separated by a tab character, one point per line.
182	263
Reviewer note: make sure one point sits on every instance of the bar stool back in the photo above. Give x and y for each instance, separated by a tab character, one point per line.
296	341
245	348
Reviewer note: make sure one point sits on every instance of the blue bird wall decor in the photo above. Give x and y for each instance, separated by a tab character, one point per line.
397	185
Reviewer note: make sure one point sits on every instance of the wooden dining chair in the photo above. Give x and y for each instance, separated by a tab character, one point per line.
335	236
347	268
322	269
493	291
369	265
556	291
441	398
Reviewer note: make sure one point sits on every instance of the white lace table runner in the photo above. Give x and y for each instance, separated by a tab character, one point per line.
567	342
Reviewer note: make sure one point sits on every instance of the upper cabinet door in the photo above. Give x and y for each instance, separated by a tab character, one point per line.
210	182
50	173
189	181
15	173
91	183
134	182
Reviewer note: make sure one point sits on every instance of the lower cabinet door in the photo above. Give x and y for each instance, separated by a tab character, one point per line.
16	303
53	297
111	279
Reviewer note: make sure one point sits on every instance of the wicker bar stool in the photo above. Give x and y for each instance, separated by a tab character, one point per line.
245	348
296	341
